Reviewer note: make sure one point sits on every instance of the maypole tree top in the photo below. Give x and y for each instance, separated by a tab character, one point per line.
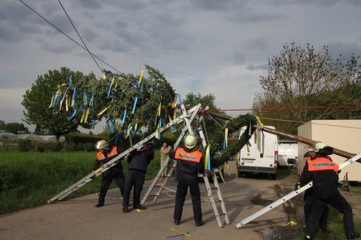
128	102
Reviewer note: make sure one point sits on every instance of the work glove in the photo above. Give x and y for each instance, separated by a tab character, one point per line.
297	186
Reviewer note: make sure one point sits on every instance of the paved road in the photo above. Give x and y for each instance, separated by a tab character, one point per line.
79	219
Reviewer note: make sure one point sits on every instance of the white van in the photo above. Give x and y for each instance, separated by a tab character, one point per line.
260	155
288	153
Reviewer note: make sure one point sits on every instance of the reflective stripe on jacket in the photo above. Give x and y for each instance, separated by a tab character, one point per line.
322	164
113	152
194	156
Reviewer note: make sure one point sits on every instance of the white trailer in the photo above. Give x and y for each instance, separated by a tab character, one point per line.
260	155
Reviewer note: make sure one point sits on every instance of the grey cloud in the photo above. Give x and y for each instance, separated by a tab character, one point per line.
253	67
345	49
259	44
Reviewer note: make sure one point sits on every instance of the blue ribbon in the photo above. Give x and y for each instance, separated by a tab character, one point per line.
73	97
180	101
135	103
111	125
70	80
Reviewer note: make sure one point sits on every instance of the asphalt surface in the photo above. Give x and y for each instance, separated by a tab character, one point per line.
79	219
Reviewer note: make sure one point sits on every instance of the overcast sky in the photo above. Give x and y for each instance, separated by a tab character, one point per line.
201	46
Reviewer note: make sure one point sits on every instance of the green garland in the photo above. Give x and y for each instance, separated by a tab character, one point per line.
220	156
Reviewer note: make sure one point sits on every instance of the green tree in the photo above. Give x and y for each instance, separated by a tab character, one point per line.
301	79
16	127
37	99
2	125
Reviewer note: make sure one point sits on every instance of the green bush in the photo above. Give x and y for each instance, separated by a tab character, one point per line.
24	145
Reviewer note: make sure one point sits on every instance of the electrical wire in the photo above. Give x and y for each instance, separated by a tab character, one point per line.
323	124
76	30
62	32
290	108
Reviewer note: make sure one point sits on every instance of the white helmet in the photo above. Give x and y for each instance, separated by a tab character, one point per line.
319	145
190	141
101	144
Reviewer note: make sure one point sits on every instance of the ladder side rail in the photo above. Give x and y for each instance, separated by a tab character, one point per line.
273	205
208	186
291	195
220	198
213	202
112	162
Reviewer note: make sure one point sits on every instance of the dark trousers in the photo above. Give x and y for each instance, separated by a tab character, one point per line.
107	179
181	194
340	204
307	210
134	178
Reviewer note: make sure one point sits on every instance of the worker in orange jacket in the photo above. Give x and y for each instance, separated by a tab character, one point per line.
323	172
189	164
104	155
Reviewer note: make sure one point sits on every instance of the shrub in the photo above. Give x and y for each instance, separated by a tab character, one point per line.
24	145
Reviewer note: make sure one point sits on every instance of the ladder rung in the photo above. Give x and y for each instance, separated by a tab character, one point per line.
158	185
214	188
153	195
222	214
218	200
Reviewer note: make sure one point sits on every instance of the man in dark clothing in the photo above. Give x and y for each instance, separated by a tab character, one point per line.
189	164
138	161
323	172
309	196
104	155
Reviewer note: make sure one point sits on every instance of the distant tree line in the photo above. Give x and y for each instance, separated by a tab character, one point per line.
13	127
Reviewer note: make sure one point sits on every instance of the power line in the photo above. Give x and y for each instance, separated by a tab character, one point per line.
289	108
51	24
80	36
323	124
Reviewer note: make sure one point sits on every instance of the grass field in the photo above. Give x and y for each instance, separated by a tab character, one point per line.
30	179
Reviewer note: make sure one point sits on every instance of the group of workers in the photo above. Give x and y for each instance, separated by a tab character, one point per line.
189	164
138	161
319	168
323	172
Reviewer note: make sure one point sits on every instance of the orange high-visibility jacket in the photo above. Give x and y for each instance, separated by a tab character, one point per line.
322	164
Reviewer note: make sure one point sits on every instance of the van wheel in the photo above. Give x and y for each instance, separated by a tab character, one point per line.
274	176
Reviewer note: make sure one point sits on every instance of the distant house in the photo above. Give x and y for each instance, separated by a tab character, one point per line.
8	137
40	138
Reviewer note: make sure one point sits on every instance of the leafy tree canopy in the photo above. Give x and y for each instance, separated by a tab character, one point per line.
36	102
300	79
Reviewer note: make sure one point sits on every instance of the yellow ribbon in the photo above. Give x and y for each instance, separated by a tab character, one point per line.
141	76
206	159
104	110
177	231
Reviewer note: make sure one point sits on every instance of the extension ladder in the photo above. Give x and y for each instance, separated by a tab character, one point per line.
114	161
290	195
215	188
218	200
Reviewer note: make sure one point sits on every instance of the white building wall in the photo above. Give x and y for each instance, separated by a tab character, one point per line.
341	134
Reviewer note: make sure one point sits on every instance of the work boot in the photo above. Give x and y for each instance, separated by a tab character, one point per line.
176	222
352	236
306	237
198	224
126	209
141	207
99	205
